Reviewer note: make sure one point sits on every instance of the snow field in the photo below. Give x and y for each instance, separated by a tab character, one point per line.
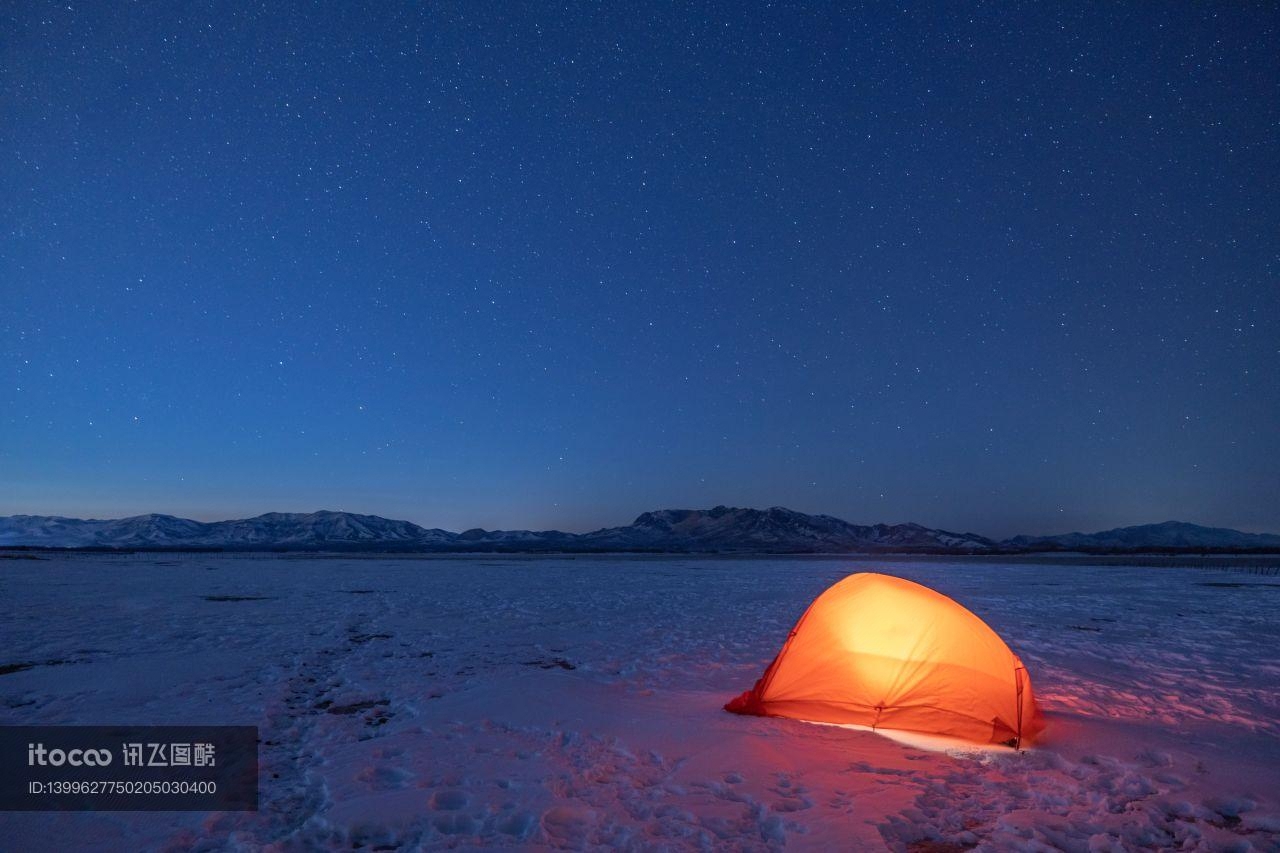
575	703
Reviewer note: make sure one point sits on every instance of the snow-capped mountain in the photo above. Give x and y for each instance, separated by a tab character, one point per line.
315	528
514	540
1169	534
138	530
776	529
718	530
274	529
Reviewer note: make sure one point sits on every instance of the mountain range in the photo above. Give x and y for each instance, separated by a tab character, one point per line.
722	529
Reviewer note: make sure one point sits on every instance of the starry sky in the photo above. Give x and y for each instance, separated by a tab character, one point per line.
1009	268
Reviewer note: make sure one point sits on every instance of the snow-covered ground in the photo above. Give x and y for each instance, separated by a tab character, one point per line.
510	702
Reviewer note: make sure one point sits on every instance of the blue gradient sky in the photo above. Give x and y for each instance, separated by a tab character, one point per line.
1010	269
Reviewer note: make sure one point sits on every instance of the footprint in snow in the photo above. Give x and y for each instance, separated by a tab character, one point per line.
384	778
449	800
567	824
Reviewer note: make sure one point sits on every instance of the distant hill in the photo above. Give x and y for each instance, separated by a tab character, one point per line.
718	530
1172	535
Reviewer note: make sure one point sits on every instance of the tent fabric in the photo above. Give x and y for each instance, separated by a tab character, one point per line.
880	651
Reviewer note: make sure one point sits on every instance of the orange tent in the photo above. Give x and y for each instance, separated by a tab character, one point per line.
880	651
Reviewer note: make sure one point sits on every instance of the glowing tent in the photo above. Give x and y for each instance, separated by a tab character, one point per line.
880	651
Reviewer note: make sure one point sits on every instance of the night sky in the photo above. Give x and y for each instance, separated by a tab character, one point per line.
1010	268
